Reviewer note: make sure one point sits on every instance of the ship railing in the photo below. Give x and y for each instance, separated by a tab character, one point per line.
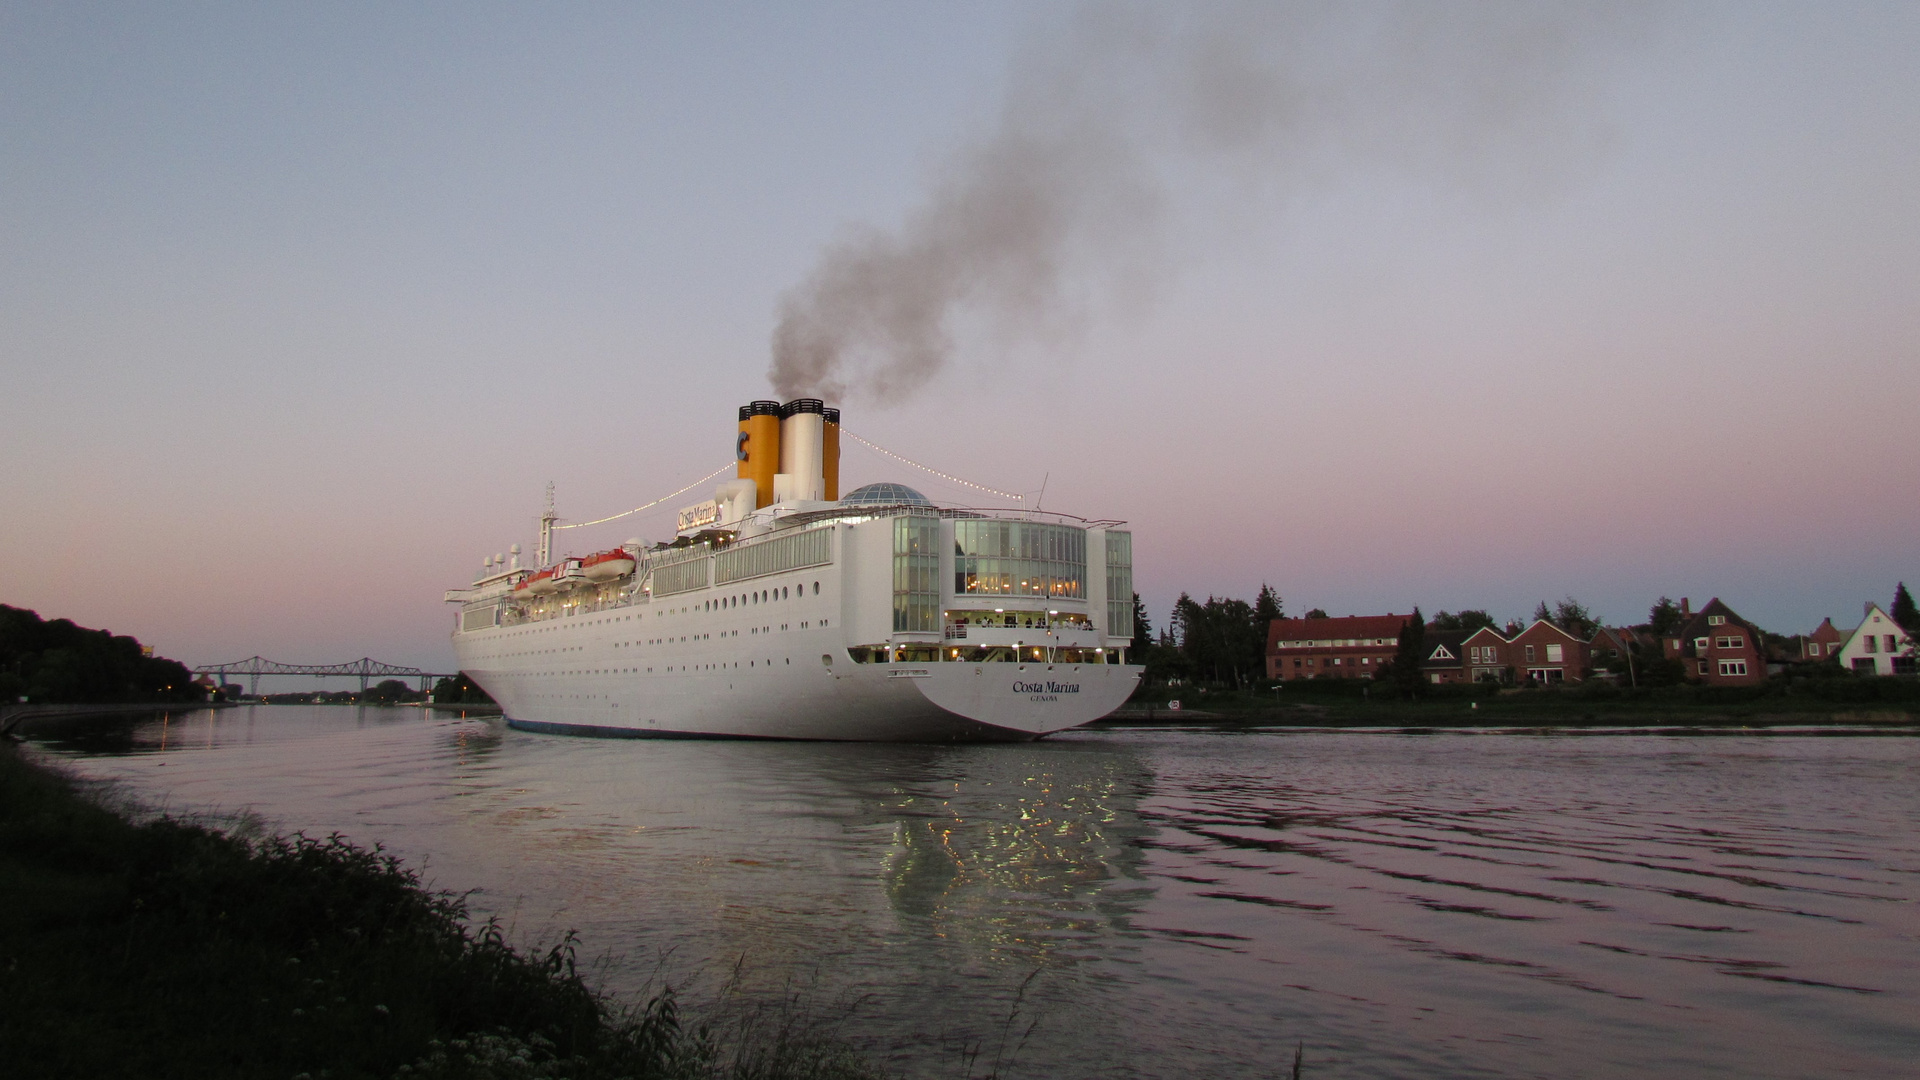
958	631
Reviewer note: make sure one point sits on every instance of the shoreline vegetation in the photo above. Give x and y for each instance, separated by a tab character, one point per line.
1341	703
1212	660
168	948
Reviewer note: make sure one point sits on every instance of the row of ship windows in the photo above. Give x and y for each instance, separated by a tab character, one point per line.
804	624
784	592
670	667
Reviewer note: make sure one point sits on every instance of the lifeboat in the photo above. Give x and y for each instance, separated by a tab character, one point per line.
567	574
607	565
539	584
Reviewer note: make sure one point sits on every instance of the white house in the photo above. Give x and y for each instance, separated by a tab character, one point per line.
1878	646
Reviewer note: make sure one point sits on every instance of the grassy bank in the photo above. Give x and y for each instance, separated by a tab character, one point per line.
1840	701
169	949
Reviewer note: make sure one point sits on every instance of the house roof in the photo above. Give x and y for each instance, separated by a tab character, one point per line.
1613	637
1443	648
1538	623
1886	625
1698	627
1350	626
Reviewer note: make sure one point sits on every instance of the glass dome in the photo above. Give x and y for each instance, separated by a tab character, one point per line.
884	495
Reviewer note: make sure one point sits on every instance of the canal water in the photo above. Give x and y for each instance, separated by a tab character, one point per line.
1158	902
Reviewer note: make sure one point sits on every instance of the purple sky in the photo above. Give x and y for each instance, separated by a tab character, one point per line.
301	307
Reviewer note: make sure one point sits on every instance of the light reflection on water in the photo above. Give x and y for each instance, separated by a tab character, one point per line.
1192	902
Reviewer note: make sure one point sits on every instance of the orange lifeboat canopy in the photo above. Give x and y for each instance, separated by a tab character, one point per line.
541	584
607	565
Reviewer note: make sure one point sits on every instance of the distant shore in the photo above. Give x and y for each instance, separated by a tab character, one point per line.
1518	712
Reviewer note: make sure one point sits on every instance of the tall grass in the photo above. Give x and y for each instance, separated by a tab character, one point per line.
170	949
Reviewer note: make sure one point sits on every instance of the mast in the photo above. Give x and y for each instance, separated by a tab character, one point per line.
546	530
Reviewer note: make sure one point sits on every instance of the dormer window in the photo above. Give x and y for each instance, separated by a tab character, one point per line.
1716	620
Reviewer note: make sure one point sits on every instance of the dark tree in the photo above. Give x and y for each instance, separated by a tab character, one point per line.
1166	661
1475	619
1219	638
1573	617
1904	611
1267	606
1652	666
1465	620
388	692
1409	654
1541	614
1665	616
459	690
1142	631
56	661
1317	613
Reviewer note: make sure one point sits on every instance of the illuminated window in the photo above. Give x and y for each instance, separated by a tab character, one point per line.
916	573
1024	558
1120	584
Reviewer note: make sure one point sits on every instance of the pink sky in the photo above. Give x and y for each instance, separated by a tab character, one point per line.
300	311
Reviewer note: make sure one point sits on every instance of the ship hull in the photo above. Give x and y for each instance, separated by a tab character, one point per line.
810	695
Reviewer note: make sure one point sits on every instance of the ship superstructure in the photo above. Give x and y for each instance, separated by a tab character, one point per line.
782	610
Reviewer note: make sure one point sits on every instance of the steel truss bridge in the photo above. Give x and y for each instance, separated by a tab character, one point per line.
366	669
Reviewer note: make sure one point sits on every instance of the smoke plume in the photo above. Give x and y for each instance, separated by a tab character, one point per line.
1111	111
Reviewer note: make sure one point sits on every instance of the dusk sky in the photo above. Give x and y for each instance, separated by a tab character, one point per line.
1473	306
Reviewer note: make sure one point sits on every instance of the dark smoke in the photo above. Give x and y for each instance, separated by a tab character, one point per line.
1072	184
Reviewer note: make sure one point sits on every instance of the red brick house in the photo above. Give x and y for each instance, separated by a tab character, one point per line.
1545	654
1443	663
1484	654
1823	644
1718	647
1353	647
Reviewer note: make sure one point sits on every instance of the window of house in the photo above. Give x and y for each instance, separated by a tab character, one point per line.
1529	654
1869	642
1733	667
1555	654
1728	642
1716	620
1703	667
1891	647
1700	643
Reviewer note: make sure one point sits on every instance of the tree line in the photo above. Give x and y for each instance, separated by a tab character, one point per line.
57	661
1223	640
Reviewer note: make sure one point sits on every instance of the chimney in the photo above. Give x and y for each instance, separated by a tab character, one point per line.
1686	607
830	457
758	448
803	474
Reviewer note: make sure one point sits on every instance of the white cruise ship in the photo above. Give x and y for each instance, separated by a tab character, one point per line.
783	610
